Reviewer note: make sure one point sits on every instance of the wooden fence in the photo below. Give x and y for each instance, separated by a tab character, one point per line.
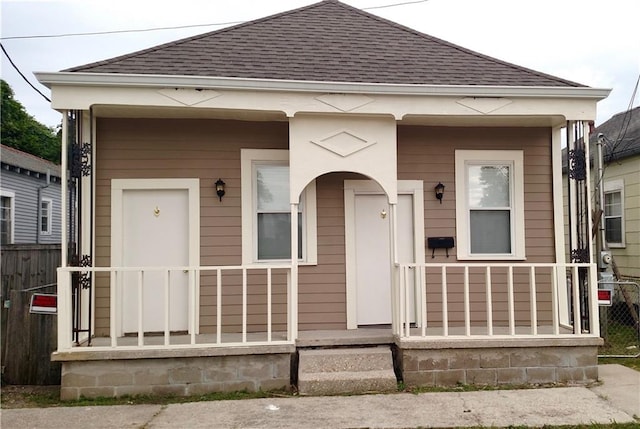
28	339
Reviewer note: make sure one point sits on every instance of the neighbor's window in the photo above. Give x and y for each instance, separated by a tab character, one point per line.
490	204
45	216
614	213
6	218
266	210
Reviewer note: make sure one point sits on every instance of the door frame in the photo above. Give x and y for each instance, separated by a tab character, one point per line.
370	187
118	186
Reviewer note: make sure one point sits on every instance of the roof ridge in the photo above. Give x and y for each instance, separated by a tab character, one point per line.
197	37
452	45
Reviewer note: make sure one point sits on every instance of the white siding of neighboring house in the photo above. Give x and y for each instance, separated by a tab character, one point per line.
627	258
26	204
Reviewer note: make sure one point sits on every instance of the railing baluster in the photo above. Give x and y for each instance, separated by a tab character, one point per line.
594	326
113	302
423	298
402	302
533	304
575	288
244	305
140	308
407	303
554	300
489	301
167	300
219	306
193	302
269	305
512	319
445	303
467	306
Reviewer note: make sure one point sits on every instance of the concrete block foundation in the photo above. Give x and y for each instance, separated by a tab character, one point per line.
178	376
495	362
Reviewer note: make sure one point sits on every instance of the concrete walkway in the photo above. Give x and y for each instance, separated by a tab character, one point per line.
616	400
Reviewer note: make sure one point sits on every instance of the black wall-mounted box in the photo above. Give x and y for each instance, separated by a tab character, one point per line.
440	242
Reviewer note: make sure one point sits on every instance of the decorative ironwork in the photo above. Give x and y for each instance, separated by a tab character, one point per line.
577	164
80	160
85	277
580	255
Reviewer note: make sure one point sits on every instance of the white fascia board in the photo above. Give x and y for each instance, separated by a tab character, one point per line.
50	79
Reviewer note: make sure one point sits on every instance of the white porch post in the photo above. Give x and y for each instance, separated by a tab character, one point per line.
64	188
293	305
558	224
396	295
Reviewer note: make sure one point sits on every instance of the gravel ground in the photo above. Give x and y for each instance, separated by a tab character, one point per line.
20	396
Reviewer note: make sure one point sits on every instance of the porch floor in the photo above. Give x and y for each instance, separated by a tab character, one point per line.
325	338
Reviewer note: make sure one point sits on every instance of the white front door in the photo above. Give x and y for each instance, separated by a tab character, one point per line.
369	260
152	228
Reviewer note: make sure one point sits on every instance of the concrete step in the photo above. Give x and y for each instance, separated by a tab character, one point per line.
350	370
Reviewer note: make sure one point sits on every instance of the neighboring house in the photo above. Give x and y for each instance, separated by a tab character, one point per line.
621	185
30	190
320	132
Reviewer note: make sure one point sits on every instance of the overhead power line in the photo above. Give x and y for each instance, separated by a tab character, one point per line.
177	27
21	74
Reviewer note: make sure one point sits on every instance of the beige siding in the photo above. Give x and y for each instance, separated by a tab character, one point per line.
208	149
427	154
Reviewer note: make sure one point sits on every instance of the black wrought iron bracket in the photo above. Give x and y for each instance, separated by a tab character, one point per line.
80	159
577	164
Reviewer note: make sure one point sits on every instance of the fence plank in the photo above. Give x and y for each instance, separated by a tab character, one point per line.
28	339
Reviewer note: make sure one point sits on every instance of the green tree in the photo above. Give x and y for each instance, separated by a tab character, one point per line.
23	132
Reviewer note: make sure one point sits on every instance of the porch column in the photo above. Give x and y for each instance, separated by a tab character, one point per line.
293	298
396	295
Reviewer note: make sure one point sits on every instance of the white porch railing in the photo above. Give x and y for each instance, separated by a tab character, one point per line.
225	285
495	300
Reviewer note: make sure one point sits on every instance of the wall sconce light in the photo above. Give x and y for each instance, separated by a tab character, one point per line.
220	188
439	191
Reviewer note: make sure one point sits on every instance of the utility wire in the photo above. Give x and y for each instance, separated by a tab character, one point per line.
179	27
22	75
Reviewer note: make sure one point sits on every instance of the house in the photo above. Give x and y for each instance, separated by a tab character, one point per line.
322	132
31	205
621	189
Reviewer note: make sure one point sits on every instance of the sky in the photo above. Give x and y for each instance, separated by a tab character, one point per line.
592	42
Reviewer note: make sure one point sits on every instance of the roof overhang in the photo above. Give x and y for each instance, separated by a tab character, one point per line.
50	79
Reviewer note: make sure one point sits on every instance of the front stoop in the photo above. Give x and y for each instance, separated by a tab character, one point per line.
346	370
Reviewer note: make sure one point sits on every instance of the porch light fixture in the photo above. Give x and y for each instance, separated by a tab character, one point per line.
220	188
439	191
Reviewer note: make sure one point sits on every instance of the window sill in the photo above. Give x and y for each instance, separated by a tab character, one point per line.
616	245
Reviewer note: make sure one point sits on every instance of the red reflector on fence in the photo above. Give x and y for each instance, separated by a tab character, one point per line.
43	303
604	297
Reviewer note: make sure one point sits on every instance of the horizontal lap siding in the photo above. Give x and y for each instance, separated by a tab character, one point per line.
428	154
203	149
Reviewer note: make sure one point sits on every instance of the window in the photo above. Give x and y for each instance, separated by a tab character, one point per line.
45	216
6	217
614	213
266	210
490	204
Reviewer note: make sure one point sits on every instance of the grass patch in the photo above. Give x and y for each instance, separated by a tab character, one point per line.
620	339
52	399
629	362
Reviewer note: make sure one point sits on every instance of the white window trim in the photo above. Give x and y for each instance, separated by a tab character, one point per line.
616	186
248	157
475	157
12	196
49	202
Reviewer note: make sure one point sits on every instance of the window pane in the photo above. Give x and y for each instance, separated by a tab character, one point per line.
489	186
273	188
5	221
613	230
613	204
490	231
274	236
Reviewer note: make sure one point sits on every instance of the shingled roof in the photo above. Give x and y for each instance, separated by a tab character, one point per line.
622	135
327	41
